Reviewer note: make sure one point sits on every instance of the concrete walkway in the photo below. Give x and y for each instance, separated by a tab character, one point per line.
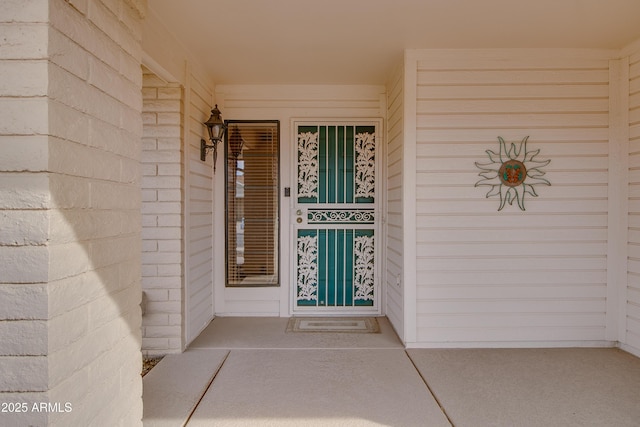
249	372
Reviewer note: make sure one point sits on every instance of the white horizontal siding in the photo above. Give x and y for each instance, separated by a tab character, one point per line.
199	210
512	276
252	301
260	102
633	290
266	308
394	228
285	103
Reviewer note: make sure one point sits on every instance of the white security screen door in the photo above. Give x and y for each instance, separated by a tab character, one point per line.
336	220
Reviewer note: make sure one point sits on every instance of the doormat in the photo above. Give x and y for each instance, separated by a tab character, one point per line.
353	325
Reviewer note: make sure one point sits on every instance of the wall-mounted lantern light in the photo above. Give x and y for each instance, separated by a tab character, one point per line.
216	128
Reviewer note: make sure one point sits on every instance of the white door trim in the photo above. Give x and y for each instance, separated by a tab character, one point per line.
379	212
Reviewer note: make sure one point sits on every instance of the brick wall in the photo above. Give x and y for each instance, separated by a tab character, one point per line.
69	210
24	210
162	216
23	161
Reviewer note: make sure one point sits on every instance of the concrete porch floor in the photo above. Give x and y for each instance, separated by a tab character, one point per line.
250	372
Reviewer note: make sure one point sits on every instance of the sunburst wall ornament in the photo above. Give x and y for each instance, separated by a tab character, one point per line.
512	173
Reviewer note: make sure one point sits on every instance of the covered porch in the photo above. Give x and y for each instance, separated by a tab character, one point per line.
104	196
250	371
458	265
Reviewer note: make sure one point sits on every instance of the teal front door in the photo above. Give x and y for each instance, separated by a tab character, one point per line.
336	219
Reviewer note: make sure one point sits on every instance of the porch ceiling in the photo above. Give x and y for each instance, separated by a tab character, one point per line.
358	41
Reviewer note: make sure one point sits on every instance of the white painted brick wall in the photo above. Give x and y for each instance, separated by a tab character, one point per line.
24	203
70	228
162	216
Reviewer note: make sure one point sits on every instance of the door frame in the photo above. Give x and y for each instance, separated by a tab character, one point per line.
379	225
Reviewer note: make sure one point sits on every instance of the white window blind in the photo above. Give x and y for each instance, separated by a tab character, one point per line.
252	203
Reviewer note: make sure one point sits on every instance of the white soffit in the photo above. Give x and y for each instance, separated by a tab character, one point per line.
358	41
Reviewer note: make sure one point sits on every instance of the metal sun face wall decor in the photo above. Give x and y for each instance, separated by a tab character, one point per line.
512	172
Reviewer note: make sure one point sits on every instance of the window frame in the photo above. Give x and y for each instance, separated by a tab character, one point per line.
277	223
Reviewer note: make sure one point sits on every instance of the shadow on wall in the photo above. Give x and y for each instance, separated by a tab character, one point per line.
95	268
73	273
72	202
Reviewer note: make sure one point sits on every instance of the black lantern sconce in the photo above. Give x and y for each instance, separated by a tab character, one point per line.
216	128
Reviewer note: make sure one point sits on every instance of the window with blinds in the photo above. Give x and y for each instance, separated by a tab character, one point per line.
252	198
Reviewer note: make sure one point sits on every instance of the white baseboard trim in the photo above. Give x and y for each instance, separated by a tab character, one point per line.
629	349
513	344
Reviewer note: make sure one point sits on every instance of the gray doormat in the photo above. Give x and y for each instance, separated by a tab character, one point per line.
353	325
